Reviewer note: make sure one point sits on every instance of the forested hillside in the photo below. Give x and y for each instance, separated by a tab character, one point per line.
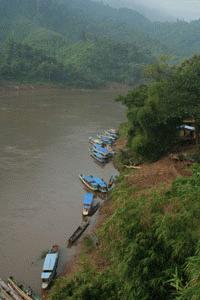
21	62
182	38
148	245
112	45
93	43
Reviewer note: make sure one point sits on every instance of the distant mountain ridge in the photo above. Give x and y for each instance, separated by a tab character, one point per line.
151	13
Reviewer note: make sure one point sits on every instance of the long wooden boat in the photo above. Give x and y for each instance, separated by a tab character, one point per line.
8	291
103	151
106	139
93	183
23	292
50	266
88	201
87	184
5	295
95	208
93	141
110	136
77	233
113	131
98	157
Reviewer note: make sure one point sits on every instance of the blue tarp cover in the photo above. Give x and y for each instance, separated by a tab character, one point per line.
45	275
106	137
96	141
100	182
97	154
50	261
95	180
88	199
102	149
89	178
106	141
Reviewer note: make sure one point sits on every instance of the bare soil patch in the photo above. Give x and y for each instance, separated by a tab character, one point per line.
163	171
121	144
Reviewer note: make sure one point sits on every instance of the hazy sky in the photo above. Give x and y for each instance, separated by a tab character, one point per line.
188	9
182	9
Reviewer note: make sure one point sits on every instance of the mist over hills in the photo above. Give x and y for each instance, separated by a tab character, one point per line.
153	13
91	43
161	10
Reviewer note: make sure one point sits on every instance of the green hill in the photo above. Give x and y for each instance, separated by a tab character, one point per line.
181	37
94	43
82	36
22	63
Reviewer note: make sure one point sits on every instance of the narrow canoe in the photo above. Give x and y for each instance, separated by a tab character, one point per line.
20	291
8	290
77	233
88	184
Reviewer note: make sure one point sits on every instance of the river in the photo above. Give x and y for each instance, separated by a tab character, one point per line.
44	147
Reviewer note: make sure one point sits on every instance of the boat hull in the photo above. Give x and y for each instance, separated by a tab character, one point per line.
50	267
102	160
87	184
93	188
77	233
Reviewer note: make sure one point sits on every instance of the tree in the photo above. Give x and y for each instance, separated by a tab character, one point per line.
157	109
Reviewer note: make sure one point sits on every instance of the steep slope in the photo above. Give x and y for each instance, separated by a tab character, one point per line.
25	64
63	29
77	19
181	37
106	61
55	27
72	19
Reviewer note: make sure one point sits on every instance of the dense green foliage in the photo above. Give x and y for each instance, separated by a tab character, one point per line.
182	38
151	245
94	43
21	62
157	109
83	64
91	42
106	61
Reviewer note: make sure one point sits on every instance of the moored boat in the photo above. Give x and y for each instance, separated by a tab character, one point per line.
98	156
77	233
105	139
22	291
113	131
93	141
95	184
5	295
103	150
88	201
8	292
50	267
110	135
87	181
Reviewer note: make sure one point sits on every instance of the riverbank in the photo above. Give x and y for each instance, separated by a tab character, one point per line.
12	86
131	202
6	86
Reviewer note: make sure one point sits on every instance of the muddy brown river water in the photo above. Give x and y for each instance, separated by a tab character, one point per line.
43	149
